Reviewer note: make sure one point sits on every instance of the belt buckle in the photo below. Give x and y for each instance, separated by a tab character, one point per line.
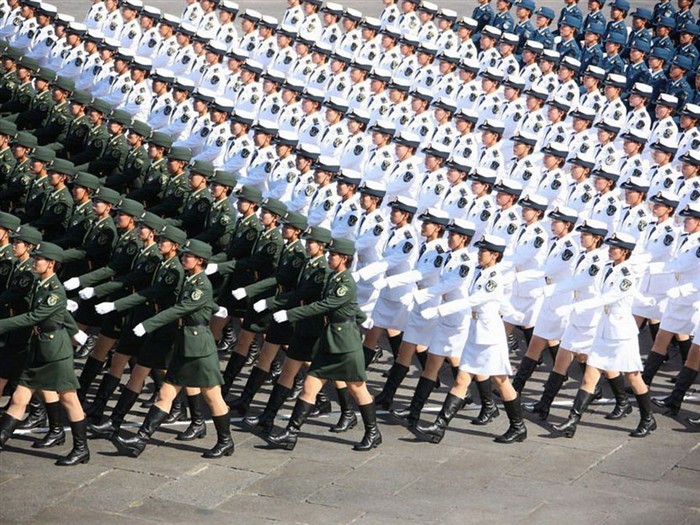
576	294
548	280
606	309
475	315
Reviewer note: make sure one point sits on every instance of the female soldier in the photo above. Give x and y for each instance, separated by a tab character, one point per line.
50	365
291	262
195	361
615	345
306	332
339	356
486	350
558	267
154	351
450	335
581	329
458	195
425	274
679	318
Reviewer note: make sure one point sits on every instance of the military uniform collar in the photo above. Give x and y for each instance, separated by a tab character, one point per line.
191	278
196	192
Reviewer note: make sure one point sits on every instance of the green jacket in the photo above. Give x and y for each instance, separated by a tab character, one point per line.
150	186
175	193
163	291
288	271
194	212
219	225
17	299
193	310
55	126
136	165
92	148
37	192
7	164
111	162
16	188
7	265
145	266
55	214
120	262
97	245
75	138
81	219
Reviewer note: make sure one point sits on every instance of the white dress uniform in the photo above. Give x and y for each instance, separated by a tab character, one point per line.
659	245
41	42
320	77
531	74
302	68
227	34
638	119
426	274
192	13
444	134
615	346
290	117
456	200
425	77
450	335
409	22
372	232
196	134
214	146
512	114
130	34
569	92
529	254
399	255
344	219
350	42
160	112
403	180
688	191
281	179
432	190
102	80
534	122
311	128
331	35
594	100
293	16
665	128
179	120
552	186
358	95
447	86
183	60
506	226
379	164
662	178
400	115
118	90
249	41
467	95
688	140
259	168
606	208
138	101
679	316
338	85
466	146
148	43
613	111
480	212
265	51
284	59
370	50
303	191
72	64
446	40
355	152
322	202
249	97
585	284
95	16
239	153
492	158
635	220
390	15
332	139
631	167
486	349
558	267
548	82
579	197
213	78
488	106
390	59
23	37
270	107
489	58
209	23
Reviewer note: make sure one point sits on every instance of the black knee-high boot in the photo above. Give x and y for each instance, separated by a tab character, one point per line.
581	402
686	378
178	412
79	454
527	333
233	368
197	428
516	431
395	344
8	424
653	330
525	371
551	389
622	403
55	436
37	415
134	446
323	403
107	387
652	366
553	351
489	410
423	390
684	349
110	428
348	419
396	376
372	438
224	442
288	438
255	381
435	432
265	422
647	423
371	355
158	378
90	370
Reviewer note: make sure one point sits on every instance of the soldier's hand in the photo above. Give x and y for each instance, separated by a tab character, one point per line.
430	313
239	293
406	299
280	317
87	293
211	268
367	324
421	296
564	311
72	283
139	330
104	308
260	306
71	305
222	312
379	283
80	338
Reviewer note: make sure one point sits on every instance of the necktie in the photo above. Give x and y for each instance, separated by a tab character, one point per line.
607	274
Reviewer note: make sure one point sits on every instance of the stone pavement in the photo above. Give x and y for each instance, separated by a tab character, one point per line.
602	476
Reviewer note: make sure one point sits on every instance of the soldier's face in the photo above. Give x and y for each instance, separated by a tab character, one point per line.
689	170
165	246
56	179
691	224
616	254
19	248
216	190
587	241
244	207
313	249
189	261
145	233
19	151
529	215
123	220
486	258
79	193
36	166
41	265
559	228
632	198
662	111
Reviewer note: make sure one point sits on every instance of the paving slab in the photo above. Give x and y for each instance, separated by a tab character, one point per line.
279	508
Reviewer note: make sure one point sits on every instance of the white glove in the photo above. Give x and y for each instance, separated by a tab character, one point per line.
548	290
80	338
367	323
406	299
260	306
648	301
222	312
87	293
430	313
673	293
421	295
239	293
71	305
104	308
564	311
536	292
72	283
280	317
518	317
139	330
361	275
379	283
211	268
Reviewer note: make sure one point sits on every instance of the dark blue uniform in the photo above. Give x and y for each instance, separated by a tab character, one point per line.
679	89
658	82
504	21
545	37
615	27
572	10
592	18
690	51
683	18
638	72
524	30
663	42
613	64
591	56
483	14
569	48
663	9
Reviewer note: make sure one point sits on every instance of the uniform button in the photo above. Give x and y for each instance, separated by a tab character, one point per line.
194	332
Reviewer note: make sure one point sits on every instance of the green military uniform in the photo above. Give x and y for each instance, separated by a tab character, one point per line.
16	300
50	362
111	162
92	148
175	192
20	101
339	356
78	226
309	289
136	165
95	250
38	109
162	293
194	212
7	165
37	192
149	188
75	138
55	214
241	246
195	361
285	278
8	84
219	225
56	125
7	264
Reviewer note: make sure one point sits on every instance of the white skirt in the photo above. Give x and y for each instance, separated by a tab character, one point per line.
621	356
578	339
366	297
487	360
389	314
679	318
529	307
419	331
651	312
448	341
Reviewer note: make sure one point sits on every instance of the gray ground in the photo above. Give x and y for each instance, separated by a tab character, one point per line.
602	476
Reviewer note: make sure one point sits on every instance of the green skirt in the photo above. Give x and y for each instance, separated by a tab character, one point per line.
349	366
200	372
13	359
58	376
156	350
302	348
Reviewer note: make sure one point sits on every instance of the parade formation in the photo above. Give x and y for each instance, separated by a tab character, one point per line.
289	196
